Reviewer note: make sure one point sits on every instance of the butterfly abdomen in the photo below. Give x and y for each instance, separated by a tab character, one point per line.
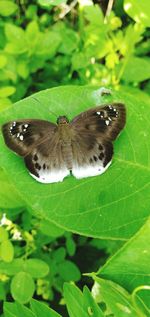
66	135
67	155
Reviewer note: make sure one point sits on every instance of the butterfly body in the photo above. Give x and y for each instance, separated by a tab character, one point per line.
82	147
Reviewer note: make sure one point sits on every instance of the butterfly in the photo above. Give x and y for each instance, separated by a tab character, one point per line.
82	147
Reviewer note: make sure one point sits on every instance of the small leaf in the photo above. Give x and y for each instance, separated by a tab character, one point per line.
90	305
16	39
41	309
22	287
17	310
74	301
36	267
50	229
69	271
47	3
6	251
7	8
3	61
137	70
139	11
59	254
94	14
11	268
70	245
3	234
7	91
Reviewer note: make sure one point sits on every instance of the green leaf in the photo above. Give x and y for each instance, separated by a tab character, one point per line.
3	234
3	60
7	8
7	91
16	39
47	3
17	310
94	15
6	251
74	301
138	10
11	268
129	267
23	69
102	206
59	254
22	287
90	305
2	291
50	229
70	41
35	267
137	69
70	245
9	197
41	309
69	271
47	45
117	299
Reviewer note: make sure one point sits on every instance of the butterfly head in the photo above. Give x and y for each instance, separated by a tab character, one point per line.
62	120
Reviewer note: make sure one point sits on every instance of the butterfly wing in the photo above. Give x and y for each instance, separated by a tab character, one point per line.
22	136
46	163
39	143
106	120
95	131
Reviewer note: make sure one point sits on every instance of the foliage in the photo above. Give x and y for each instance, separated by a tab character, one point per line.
45	44
43	50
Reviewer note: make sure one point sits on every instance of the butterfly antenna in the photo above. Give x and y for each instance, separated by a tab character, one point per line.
41	104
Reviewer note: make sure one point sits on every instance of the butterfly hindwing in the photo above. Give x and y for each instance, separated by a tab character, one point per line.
93	161
46	162
23	135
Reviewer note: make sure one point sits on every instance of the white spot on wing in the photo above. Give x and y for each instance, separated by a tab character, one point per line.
87	171
53	176
21	137
107	122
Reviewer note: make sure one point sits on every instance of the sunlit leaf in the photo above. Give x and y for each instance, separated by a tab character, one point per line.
113	205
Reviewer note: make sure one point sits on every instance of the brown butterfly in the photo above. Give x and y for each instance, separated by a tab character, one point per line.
82	147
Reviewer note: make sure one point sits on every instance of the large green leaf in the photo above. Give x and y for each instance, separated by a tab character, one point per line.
118	301
130	265
9	197
113	205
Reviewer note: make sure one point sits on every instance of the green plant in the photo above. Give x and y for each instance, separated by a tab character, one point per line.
117	193
45	228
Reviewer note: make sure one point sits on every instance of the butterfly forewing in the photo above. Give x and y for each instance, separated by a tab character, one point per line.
22	136
106	121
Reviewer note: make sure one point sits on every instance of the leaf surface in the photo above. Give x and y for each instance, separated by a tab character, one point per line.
113	205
